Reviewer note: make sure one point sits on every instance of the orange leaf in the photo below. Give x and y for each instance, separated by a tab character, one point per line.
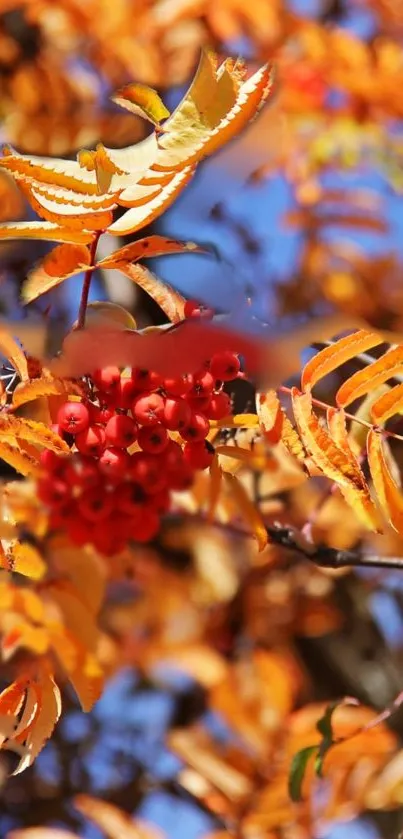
138	217
45	230
170	301
142	101
332	357
337	463
42	833
25	559
387	405
247	510
33	432
19	460
149	247
388	365
49	708
270	415
34	389
215	484
389	494
113	822
12	352
62	262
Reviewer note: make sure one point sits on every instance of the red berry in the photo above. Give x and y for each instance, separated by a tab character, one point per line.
220	406
193	309
53	491
178	386
146	471
145	379
126	393
177	413
91	441
120	431
82	472
73	417
114	463
100	414
181	478
225	365
200	404
159	501
61	517
197	428
172	457
198	455
147	528
107	379
148	408
153	438
203	384
105	540
80	530
96	504
128	498
50	461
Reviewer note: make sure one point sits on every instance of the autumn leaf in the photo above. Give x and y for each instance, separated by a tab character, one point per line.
13	353
64	261
19	460
142	101
338	353
247	510
45	230
114	823
387	405
35	388
389	494
148	248
25	559
170	301
370	377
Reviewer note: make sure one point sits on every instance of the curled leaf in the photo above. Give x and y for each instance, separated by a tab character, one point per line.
142	101
62	262
247	509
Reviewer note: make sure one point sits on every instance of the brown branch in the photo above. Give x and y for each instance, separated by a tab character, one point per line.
87	282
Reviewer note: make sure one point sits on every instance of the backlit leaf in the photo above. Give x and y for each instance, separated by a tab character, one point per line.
62	262
34	432
389	494
113	822
18	459
34	389
388	404
170	301
381	370
25	559
45	230
13	353
138	217
332	357
45	720
214	487
148	248
142	101
270	415
248	510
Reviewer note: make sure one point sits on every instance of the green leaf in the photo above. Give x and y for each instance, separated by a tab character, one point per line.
297	771
325	728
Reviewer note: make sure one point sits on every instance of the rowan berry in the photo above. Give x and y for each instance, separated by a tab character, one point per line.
120	431
193	309
73	417
101	414
147	528
219	407
198	455
53	491
105	538
225	365
203	384
114	463
200	404
146	379
153	438
181	478
159	501
82	471
146	470
172	457
178	386
50	461
95	504
107	379
128	498
126	393
196	429
80	530
148	408
177	413
91	441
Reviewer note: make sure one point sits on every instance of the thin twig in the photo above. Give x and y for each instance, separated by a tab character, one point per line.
87	282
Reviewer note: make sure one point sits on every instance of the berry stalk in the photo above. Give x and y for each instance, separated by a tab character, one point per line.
87	282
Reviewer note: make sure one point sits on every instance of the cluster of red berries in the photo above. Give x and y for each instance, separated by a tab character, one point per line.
134	440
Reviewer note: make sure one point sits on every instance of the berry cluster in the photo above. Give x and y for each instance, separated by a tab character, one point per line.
134	440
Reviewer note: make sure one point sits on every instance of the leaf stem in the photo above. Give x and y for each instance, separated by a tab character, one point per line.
87	282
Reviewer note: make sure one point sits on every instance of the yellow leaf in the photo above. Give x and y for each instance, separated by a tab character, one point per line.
34	389
270	415
22	635
332	357
49	709
236	421
62	262
19	460
389	494
138	217
170	301
388	404
148	248
215	484
25	559
13	353
247	509
388	365
45	230
33	432
142	101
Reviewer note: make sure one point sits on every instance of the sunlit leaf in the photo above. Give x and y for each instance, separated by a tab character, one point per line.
19	460
148	248
25	559
62	262
34	389
114	823
387	405
13	353
139	217
389	494
370	377
247	510
142	101
44	230
170	301
333	356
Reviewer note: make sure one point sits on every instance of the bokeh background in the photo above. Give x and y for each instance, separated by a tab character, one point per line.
305	214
